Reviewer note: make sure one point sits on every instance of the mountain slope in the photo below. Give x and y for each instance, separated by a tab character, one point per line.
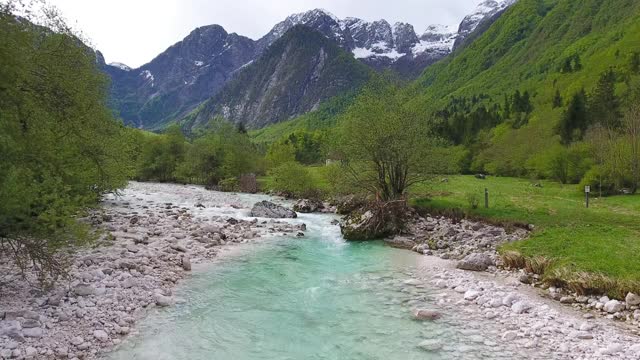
180	78
294	76
527	49
198	67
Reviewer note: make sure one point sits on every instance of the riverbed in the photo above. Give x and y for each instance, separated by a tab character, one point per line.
259	290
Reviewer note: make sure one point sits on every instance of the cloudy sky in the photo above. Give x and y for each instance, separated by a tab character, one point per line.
135	31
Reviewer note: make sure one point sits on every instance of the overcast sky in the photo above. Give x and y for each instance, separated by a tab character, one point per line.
135	31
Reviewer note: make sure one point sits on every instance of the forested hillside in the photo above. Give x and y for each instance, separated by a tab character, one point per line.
294	76
505	95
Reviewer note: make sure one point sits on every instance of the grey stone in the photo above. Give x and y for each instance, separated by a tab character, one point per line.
84	290
267	209
520	307
101	335
632	299
614	306
33	332
431	345
426	314
475	262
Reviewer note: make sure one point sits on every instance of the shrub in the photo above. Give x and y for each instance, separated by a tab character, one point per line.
292	179
229	185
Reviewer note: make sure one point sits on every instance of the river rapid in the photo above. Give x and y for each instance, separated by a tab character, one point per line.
315	297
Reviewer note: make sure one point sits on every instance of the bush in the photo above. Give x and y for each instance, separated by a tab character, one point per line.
292	179
229	185
599	182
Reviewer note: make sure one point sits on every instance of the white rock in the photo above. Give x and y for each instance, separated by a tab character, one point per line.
509	299
163	301
509	336
612	349
520	307
471	295
614	306
101	335
587	327
412	282
77	340
632	299
430	345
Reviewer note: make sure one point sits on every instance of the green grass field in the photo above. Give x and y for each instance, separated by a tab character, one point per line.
594	249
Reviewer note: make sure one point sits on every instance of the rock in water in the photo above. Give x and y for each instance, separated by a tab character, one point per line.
186	263
431	345
307	206
425	314
267	209
475	262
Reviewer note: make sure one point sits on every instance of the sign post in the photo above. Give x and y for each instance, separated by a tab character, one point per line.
587	190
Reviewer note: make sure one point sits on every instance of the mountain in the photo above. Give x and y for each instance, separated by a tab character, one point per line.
487	10
180	78
297	73
197	68
542	52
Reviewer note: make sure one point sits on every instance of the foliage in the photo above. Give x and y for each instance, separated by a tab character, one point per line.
292	179
396	149
222	152
61	148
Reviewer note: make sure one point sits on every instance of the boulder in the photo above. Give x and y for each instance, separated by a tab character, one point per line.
376	221
163	301
431	345
308	206
267	209
632	299
101	335
520	307
614	306
475	262
186	263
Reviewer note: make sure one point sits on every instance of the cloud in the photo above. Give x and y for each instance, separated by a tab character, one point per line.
135	31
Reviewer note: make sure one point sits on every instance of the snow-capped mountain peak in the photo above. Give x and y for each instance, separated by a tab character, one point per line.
484	10
120	66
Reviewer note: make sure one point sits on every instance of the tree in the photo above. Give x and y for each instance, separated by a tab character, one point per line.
604	107
631	131
557	99
385	145
280	153
61	147
574	121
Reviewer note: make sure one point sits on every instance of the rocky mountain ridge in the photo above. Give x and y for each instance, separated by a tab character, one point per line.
197	68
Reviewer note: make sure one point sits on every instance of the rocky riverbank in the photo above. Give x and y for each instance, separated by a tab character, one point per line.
152	235
520	319
473	246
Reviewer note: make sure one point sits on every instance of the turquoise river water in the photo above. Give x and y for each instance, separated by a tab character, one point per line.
311	298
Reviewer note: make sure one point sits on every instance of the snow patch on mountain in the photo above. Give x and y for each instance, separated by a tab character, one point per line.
120	66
